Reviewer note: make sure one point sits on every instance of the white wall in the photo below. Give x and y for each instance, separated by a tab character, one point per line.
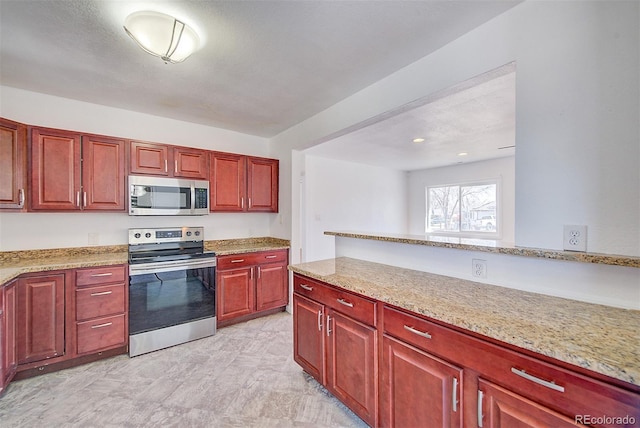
594	283
577	136
577	110
502	169
19	231
343	195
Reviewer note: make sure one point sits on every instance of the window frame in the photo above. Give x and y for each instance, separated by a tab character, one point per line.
495	234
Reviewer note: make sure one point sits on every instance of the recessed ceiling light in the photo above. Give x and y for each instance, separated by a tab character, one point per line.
418	140
463	154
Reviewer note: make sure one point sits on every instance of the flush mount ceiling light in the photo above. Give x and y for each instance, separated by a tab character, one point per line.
418	140
162	35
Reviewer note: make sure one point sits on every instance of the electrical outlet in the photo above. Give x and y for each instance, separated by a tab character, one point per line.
479	268
575	238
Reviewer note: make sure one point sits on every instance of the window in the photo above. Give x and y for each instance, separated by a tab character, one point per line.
465	209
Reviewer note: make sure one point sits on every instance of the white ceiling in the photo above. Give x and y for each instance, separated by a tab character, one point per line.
265	65
476	117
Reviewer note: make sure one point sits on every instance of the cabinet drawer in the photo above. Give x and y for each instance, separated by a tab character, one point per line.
92	302
101	333
345	302
421	333
249	259
559	389
101	275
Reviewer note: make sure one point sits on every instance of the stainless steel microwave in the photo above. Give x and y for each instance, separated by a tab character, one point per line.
167	196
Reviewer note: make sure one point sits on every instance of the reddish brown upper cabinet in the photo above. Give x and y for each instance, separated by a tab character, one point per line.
262	184
13	168
40	318
243	184
73	172
168	161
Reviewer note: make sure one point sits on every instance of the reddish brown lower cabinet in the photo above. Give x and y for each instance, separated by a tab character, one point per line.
8	354
40	318
501	408
308	336
418	389
101	308
433	375
351	364
250	285
335	341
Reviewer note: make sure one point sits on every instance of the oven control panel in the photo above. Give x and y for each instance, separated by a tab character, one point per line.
165	234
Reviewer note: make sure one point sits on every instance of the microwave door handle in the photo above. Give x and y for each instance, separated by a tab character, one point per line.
193	197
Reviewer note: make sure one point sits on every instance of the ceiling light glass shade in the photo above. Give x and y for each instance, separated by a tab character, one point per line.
162	35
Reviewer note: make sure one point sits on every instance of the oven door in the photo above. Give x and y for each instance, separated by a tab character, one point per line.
170	303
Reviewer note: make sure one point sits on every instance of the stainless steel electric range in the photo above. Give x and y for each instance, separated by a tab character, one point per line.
171	288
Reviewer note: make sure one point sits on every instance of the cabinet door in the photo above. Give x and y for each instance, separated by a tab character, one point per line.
40	318
262	178
103	172
351	364
502	408
190	163
13	157
228	182
271	286
149	159
9	355
418	389
308	336
236	295
55	170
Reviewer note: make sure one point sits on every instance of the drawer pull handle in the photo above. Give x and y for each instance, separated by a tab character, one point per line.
328	325
272	256
454	398
418	332
237	261
107	324
548	384
480	397
95	275
320	320
102	293
344	302
306	287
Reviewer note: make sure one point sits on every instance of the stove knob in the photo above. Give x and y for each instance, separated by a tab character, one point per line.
147	235
137	235
197	233
189	233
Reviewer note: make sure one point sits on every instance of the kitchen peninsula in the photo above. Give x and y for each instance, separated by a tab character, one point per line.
493	348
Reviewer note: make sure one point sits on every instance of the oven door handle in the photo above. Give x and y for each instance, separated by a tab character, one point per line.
146	268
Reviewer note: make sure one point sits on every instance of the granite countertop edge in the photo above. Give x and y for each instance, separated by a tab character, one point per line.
16	263
599	352
493	246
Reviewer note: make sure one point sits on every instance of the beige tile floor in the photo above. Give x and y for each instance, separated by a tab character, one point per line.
244	376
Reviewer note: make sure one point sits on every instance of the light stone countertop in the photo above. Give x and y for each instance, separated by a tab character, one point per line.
16	263
600	338
492	246
246	245
59	259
